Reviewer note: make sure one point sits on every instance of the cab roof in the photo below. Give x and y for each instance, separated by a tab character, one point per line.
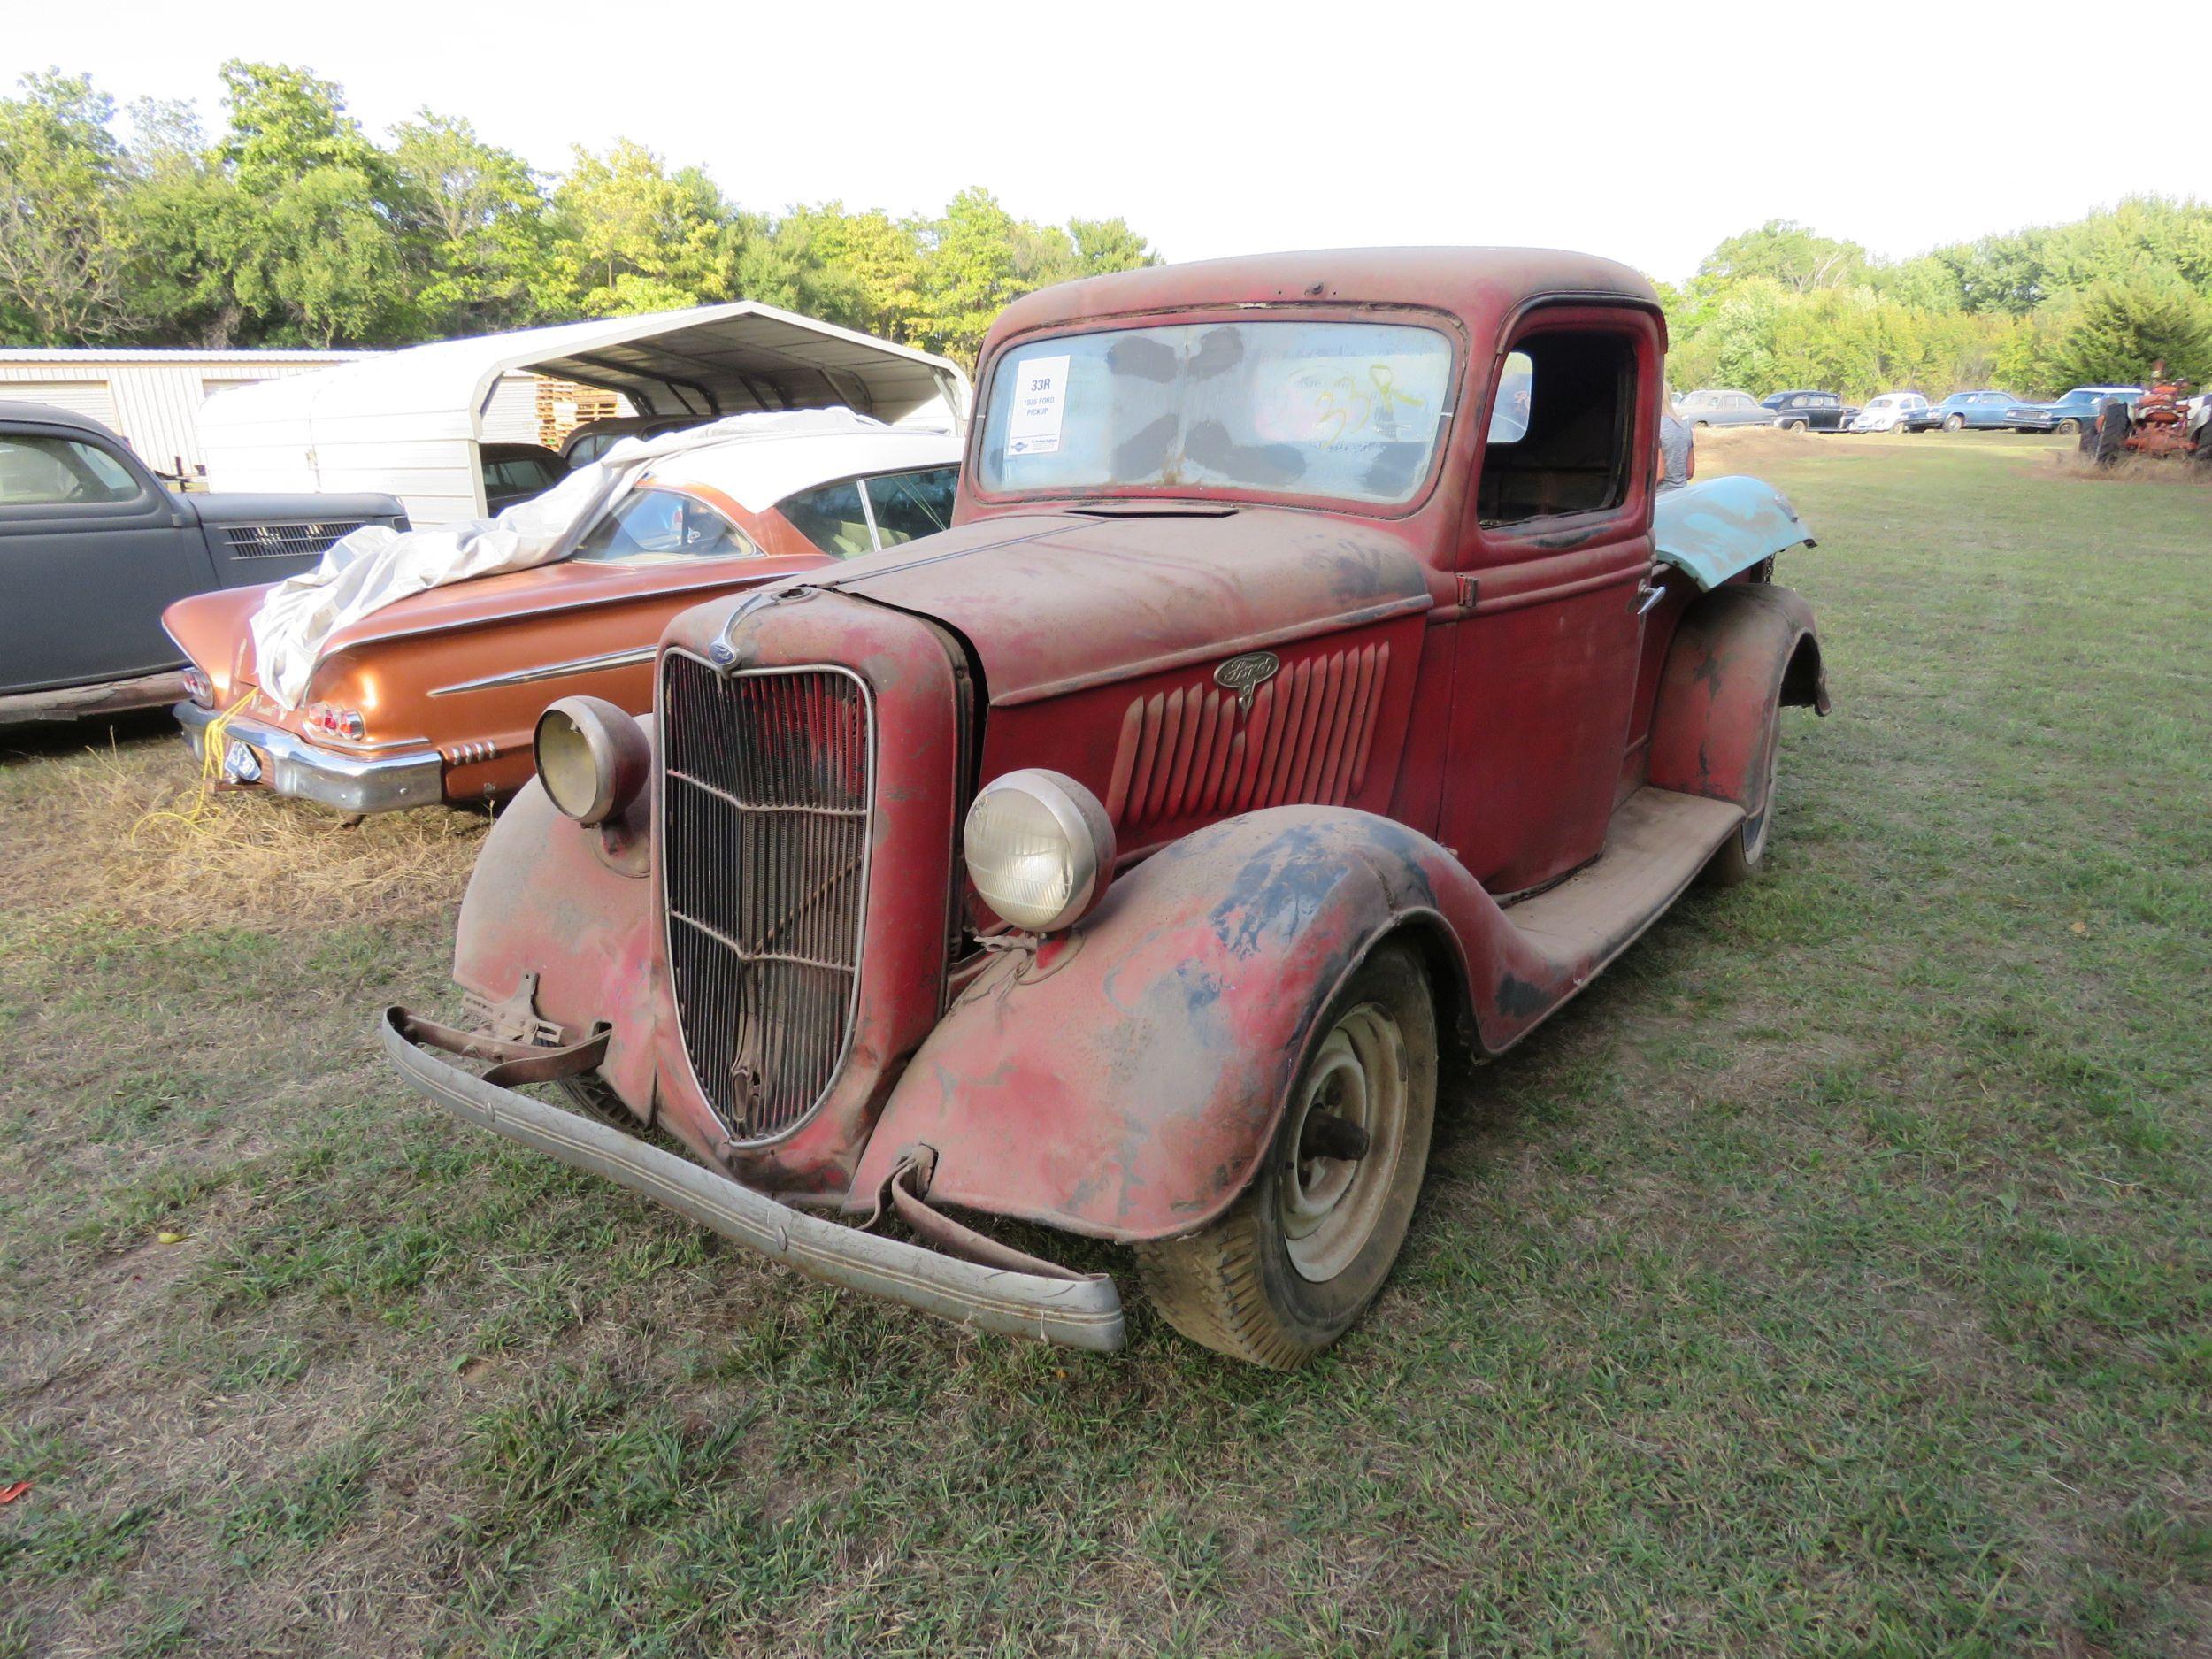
1482	286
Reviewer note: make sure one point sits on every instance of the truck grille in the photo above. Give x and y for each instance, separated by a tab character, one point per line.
767	778
287	540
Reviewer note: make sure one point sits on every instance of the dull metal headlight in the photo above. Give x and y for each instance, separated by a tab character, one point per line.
1039	849
592	757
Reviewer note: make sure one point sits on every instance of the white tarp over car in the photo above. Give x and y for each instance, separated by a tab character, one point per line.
376	566
409	423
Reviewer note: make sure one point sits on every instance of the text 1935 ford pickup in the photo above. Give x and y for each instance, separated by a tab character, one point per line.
1311	695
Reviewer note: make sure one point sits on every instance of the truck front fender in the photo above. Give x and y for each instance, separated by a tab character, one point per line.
1124	1080
548	900
1738	650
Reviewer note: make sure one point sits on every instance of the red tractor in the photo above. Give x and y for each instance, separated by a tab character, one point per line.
2164	421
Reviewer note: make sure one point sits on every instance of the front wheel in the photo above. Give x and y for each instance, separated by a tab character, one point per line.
1736	860
2069	426
1955	423
1794	426
1299	1257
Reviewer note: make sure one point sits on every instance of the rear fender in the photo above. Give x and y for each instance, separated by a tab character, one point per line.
1736	651
1126	1082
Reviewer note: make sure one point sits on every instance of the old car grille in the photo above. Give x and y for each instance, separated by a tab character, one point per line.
1304	742
287	540
767	781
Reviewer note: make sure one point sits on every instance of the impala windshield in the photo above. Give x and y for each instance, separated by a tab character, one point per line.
1325	410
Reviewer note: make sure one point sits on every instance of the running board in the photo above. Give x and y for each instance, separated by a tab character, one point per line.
1658	841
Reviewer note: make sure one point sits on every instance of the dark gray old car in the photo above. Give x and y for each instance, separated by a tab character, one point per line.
93	547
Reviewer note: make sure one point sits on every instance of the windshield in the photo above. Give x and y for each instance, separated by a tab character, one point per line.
1327	410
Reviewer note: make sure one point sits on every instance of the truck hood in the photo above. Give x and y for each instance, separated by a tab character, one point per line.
1056	602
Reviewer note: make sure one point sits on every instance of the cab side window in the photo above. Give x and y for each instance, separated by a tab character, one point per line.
1560	428
36	471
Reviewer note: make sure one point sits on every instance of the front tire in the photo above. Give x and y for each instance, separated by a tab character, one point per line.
1736	860
1955	423
2069	428
1296	1260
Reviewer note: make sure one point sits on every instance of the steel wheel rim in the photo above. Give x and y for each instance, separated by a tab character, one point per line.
1328	1208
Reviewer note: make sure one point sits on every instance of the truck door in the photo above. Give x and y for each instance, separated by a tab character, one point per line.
1554	559
91	550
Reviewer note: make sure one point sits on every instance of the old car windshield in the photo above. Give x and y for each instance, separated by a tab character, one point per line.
1325	410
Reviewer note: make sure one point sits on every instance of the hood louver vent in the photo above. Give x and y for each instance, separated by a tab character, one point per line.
1193	753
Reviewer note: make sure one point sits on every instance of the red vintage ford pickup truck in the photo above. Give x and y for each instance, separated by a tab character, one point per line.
1313	692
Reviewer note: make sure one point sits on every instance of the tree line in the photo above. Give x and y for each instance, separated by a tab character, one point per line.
292	227
2097	300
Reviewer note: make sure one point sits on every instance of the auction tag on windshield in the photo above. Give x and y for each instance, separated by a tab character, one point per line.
1040	397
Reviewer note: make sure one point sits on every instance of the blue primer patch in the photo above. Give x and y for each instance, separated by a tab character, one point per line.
1720	525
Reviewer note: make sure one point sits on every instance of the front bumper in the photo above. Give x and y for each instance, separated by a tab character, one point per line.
345	783
1078	1311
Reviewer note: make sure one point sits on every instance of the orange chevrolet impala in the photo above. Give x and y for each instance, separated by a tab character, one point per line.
434	697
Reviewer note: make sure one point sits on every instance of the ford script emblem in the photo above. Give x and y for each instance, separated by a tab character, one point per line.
1246	674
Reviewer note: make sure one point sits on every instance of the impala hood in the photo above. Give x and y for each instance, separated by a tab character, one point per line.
1053	602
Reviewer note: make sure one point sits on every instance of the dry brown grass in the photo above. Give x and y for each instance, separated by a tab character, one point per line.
2131	469
131	834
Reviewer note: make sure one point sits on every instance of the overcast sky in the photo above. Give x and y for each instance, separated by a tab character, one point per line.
1645	132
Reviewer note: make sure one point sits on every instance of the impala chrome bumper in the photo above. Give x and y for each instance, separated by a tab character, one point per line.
290	765
1052	1305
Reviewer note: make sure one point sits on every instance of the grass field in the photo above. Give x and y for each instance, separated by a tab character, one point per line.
1835	1278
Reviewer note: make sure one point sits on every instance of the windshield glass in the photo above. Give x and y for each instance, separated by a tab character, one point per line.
1329	410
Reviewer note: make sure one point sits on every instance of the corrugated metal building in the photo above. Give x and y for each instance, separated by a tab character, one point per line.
153	398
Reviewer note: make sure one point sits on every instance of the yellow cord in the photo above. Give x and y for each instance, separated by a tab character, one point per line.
211	746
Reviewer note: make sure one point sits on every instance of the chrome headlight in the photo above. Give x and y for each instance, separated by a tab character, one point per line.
592	757
1039	849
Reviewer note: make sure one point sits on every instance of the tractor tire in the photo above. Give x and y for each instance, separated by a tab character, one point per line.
1295	1260
2108	442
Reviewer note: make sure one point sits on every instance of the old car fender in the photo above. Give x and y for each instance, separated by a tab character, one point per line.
557	924
1123	1080
1738	652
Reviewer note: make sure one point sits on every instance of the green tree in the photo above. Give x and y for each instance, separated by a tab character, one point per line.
186	228
2118	330
630	236
64	258
1103	245
1784	252
473	226
321	261
968	274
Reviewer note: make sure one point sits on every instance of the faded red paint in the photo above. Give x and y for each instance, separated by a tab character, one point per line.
1461	714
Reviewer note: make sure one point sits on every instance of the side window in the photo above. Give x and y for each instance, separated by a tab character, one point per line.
652	525
909	505
36	471
1574	407
832	518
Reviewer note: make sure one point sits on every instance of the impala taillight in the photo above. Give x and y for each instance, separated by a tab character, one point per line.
328	720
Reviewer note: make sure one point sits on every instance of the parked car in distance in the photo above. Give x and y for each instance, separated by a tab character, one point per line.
1721	409
93	546
1888	413
1801	410
1981	412
516	471
588	442
1261	747
2081	406
433	697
